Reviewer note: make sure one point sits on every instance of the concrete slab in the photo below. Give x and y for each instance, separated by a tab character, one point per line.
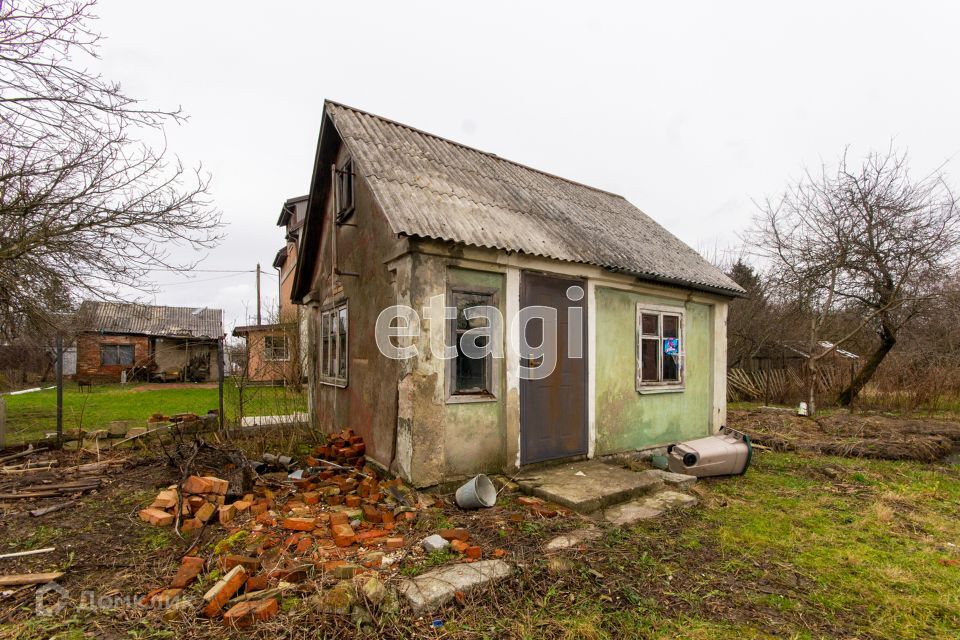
678	480
647	507
572	539
435	588
588	486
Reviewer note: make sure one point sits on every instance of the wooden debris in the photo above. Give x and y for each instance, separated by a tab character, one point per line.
29	578
42	511
32	552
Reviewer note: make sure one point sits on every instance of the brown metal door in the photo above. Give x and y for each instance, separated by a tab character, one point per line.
553	410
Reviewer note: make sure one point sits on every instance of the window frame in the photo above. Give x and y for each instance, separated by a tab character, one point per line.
491	393
117	347
344	174
331	345
660	385
268	349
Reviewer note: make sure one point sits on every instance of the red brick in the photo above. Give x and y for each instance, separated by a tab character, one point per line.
311	497
198	485
343	535
247	613
395	543
352	501
299	524
529	501
339	518
226	513
190	568
156	517
163	598
459	545
370	514
166	499
250	565
190	524
241	505
454	534
499	553
473	552
224	590
256	583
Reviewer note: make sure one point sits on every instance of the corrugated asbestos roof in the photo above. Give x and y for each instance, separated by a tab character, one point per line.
434	188
148	320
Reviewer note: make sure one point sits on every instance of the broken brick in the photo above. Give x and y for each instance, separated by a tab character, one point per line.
246	613
473	552
352	501
256	583
529	501
454	534
241	505
191	524
343	535
395	543
226	513
311	497
250	564
166	499
370	514
459	545
190	568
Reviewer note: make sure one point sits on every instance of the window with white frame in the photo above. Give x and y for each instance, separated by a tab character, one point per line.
660	348
275	348
333	344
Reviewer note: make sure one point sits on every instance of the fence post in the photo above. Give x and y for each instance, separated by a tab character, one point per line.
220	379
59	390
3	424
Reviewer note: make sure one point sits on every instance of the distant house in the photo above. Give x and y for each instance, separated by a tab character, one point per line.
273	350
146	342
398	217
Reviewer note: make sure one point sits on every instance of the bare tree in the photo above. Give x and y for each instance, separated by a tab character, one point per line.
867	242
87	206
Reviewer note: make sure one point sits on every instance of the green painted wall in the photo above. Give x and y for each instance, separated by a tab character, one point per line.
626	419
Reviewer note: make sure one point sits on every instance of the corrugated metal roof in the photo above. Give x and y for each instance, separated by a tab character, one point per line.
434	188
149	320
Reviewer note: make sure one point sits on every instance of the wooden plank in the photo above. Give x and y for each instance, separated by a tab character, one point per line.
29	578
32	552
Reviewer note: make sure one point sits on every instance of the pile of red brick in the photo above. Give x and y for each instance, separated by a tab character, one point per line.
203	498
344	448
334	522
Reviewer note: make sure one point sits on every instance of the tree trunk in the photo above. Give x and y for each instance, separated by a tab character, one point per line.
848	395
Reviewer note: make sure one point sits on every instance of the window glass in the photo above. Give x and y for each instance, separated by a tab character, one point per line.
660	361
648	359
334	344
651	324
470	375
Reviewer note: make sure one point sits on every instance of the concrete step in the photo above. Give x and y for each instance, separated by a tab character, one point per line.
647	507
590	486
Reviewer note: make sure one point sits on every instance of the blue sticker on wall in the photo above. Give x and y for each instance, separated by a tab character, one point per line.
671	346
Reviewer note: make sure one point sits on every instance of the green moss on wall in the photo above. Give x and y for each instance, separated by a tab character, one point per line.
626	419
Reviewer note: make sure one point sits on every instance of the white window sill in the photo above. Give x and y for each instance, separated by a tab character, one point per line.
471	398
340	384
661	389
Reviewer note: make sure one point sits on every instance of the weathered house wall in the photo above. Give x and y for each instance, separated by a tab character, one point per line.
170	353
368	402
627	419
88	355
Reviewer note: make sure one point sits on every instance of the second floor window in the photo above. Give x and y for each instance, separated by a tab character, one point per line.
344	189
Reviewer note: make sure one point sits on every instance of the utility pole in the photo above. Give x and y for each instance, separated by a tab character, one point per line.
220	363
258	294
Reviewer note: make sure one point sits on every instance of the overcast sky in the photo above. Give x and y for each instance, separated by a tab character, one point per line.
689	112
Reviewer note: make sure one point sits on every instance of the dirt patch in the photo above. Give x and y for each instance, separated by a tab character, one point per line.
850	435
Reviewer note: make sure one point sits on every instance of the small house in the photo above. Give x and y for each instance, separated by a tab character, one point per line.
604	333
125	341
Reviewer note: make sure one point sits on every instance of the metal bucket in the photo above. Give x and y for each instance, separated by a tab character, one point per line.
478	492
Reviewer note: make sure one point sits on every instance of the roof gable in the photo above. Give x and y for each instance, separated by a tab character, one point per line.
431	187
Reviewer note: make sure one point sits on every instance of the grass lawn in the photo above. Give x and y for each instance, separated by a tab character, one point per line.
31	415
802	546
